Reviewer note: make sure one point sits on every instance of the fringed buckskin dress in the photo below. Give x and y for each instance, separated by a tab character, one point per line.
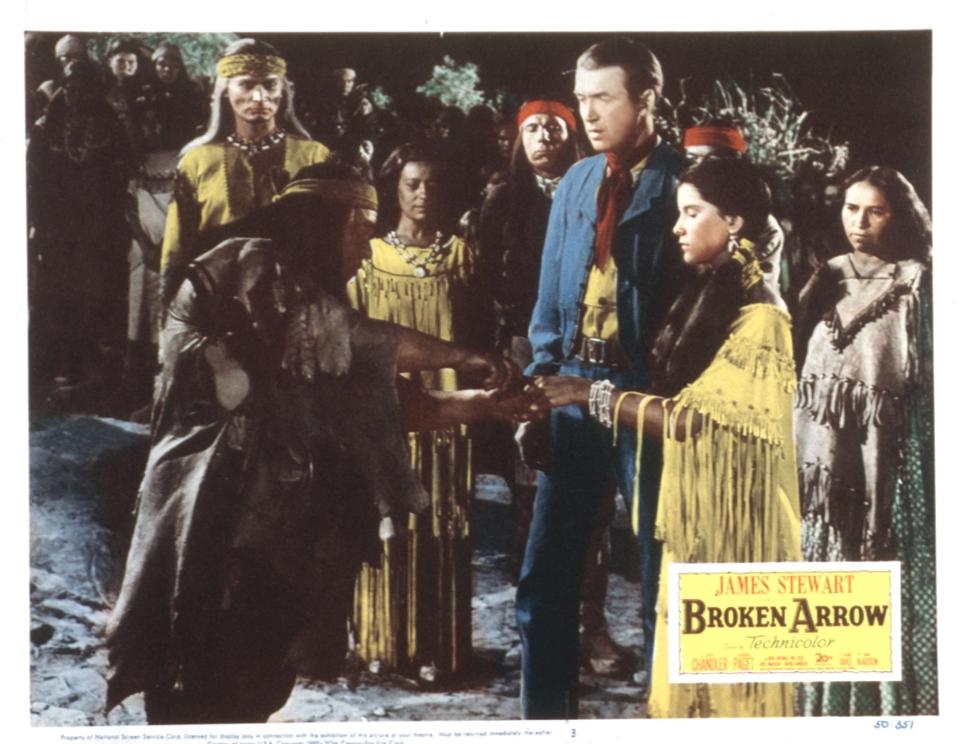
864	424
729	493
413	609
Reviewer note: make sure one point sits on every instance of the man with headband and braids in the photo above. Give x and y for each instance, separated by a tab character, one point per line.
278	447
252	146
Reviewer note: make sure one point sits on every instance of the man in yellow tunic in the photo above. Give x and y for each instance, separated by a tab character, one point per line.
243	159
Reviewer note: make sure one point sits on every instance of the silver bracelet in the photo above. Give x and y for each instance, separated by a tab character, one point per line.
592	400
598	402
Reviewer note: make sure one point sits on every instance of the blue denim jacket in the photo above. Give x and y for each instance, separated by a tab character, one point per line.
650	269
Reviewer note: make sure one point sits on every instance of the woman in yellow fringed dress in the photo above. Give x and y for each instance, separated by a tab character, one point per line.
725	380
412	612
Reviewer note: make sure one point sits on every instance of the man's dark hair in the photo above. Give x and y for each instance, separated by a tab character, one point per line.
641	66
452	117
125	46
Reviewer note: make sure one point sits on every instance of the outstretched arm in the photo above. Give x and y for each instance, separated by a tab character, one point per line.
428	410
419	351
625	405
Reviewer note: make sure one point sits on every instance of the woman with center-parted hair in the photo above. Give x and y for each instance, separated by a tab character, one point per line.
864	420
413	606
253	145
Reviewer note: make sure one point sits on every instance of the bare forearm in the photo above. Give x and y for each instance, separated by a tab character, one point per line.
623	406
428	410
627	406
418	351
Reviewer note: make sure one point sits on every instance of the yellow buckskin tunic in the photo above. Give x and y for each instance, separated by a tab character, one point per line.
414	609
730	493
218	183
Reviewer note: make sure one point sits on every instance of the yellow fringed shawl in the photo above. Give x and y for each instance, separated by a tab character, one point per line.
729	494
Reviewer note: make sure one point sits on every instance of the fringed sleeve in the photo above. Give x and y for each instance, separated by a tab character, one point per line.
729	494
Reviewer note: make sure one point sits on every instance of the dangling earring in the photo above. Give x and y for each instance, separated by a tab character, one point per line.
732	245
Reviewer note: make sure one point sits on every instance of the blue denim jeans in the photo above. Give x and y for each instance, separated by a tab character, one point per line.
585	466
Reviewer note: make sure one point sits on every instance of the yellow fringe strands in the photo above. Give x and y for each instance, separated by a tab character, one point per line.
729	492
413	609
426	605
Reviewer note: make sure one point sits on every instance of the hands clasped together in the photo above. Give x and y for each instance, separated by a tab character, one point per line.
506	395
510	396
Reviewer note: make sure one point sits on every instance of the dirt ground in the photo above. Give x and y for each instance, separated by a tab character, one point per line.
84	472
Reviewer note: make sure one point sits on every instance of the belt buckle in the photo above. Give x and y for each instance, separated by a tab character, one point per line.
595	350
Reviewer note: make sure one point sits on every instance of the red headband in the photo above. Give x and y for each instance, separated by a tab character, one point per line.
729	139
544	106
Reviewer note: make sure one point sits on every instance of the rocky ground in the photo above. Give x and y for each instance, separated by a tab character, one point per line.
84	471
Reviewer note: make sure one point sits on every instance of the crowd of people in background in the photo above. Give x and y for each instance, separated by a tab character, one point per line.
110	133
492	232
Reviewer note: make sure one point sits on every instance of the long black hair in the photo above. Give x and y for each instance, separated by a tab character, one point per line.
700	319
910	234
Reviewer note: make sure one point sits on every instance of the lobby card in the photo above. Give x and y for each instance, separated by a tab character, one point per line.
784	622
824	622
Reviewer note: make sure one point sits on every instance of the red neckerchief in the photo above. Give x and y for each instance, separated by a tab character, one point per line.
613	198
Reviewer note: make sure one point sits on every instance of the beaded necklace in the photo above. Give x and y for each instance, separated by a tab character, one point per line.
261	145
423	266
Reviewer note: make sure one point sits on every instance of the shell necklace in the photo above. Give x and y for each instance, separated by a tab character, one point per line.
256	146
423	265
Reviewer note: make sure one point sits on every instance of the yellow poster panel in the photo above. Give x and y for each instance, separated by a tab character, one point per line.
784	622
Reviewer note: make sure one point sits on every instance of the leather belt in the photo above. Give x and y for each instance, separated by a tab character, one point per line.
603	352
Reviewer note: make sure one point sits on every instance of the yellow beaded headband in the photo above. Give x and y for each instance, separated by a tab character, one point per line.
260	65
351	193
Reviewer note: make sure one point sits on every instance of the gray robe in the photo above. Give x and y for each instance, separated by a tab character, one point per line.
273	504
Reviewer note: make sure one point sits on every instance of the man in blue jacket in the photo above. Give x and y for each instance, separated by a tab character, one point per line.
610	270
